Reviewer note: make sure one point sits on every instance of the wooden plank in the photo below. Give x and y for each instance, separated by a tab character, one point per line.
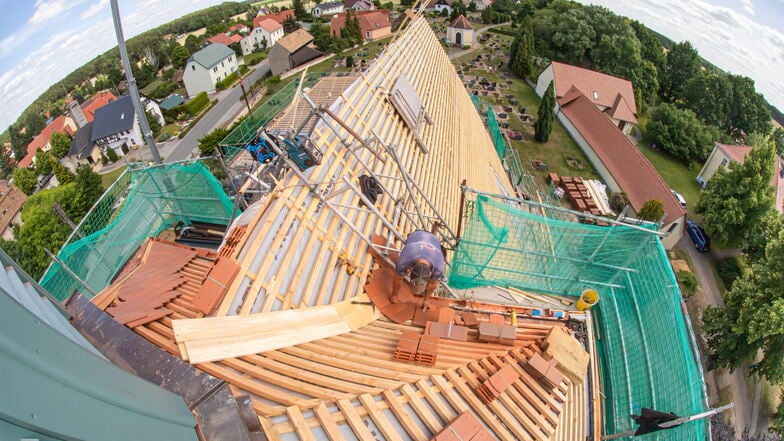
479	407
424	413
378	417
444	412
300	425
328	423
354	420
401	413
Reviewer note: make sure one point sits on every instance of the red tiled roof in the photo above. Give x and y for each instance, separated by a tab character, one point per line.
95	102
368	21
601	89
279	17
58	125
236	38
222	39
461	23
268	24
735	152
236	28
627	165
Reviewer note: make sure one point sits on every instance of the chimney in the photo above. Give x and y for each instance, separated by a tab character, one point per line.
75	110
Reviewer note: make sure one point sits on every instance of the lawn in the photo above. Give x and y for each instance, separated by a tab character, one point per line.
170	129
109	178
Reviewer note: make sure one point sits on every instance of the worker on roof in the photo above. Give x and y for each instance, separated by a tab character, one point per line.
422	260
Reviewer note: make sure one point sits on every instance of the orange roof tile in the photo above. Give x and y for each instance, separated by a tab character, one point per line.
222	39
279	17
268	25
95	102
368	21
601	89
627	165
43	138
461	23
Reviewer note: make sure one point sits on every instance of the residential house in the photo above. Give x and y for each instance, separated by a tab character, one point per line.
83	150
279	17
116	127
294	49
724	154
327	9
95	102
238	28
612	95
208	66
152	106
359	5
42	141
619	162
11	201
225	39
481	5
266	32
437	6
460	32
373	24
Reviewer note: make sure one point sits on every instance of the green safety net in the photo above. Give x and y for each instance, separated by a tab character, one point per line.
236	141
495	133
140	204
644	343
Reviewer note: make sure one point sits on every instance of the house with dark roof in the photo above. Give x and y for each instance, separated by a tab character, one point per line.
295	49
266	32
359	5
612	95
724	154
83	150
460	32
116	127
208	66
327	9
172	101
372	24
619	162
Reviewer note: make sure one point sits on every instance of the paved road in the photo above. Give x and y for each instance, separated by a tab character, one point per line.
737	381
229	105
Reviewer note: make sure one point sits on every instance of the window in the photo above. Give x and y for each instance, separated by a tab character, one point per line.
221	63
724	162
229	59
193	67
215	69
367	34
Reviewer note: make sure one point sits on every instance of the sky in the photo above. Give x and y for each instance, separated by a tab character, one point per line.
42	41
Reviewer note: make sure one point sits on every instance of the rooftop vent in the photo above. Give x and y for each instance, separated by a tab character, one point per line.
595	95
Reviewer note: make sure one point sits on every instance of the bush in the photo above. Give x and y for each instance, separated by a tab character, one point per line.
254	58
730	269
350	60
273	80
111	155
687	282
243	69
226	82
194	106
618	200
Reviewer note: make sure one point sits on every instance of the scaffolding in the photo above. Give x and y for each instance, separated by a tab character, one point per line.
646	350
141	203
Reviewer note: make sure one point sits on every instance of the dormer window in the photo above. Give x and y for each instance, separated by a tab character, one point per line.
595	95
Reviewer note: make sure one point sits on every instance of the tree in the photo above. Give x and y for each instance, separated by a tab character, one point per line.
778	139
522	51
209	142
180	55
544	119
152	120
25	180
748	111
573	37
61	145
290	25
63	175
735	201
709	96
43	163
753	316
458	9
351	32
88	189
320	33
653	210
299	10
6	169
680	133
683	64
192	44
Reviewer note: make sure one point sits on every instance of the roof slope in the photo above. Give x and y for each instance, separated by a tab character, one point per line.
43	138
461	23
635	175
279	17
212	55
95	102
269	25
81	142
295	40
113	118
601	89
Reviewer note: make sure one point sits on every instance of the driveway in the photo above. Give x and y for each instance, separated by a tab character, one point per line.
738	383
229	105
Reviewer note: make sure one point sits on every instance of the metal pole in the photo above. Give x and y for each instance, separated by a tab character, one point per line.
245	95
132	89
70	273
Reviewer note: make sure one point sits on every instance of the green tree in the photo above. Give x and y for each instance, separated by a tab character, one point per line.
192	44
573	36
351	32
753	316
209	142
680	133
88	189
180	55
299	10
43	163
290	25
522	51
683	64
735	201
709	95
653	210
6	168
320	33
651	48
61	144
458	9
544	119
749	111
152	120
63	175
25	180
778	140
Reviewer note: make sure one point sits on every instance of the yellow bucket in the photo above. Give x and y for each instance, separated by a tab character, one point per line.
588	298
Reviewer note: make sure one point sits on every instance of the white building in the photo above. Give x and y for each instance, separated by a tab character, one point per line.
327	9
208	66
266	32
116	127
460	32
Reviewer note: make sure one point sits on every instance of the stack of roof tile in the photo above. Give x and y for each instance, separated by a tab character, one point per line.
216	284
407	347
466	427
447	331
470	319
576	193
543	370
491	333
420	349
498	383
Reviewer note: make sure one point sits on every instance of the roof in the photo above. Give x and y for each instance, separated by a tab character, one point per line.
39	142
95	102
268	25
328	5
171	101
113	118
738	153
627	165
237	27
368	21
323	93
81	142
601	89
295	40
211	55
279	17
11	201
360	4
222	39
461	23
305	54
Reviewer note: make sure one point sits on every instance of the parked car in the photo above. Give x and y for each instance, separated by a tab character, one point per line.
679	197
698	236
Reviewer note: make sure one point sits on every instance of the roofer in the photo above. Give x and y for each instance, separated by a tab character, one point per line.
422	259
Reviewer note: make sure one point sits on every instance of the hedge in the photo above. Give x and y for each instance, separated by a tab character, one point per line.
226	82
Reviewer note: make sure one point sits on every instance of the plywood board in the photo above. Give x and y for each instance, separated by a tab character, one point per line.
572	358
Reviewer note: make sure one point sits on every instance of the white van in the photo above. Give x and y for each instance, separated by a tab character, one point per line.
679	197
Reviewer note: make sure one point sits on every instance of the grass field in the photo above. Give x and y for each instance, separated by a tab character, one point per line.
109	178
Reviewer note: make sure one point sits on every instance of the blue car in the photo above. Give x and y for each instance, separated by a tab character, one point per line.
698	236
